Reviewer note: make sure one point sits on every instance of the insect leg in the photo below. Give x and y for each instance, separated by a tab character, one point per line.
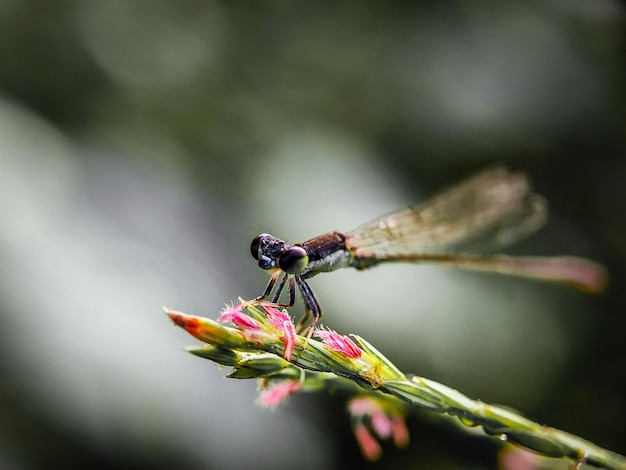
312	307
270	286
279	289
292	291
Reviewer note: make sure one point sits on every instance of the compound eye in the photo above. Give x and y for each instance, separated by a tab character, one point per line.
293	260
266	263
254	246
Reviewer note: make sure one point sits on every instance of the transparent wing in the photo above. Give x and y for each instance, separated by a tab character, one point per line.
489	210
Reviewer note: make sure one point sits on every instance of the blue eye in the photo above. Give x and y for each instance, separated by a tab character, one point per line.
266	263
293	260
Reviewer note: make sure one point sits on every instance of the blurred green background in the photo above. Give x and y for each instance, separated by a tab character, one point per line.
144	144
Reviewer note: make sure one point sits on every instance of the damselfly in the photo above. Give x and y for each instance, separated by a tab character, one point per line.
490	209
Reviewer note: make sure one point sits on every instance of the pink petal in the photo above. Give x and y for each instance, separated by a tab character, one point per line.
278	393
370	448
514	458
339	343
399	431
361	406
289	337
281	320
381	424
275	316
235	316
